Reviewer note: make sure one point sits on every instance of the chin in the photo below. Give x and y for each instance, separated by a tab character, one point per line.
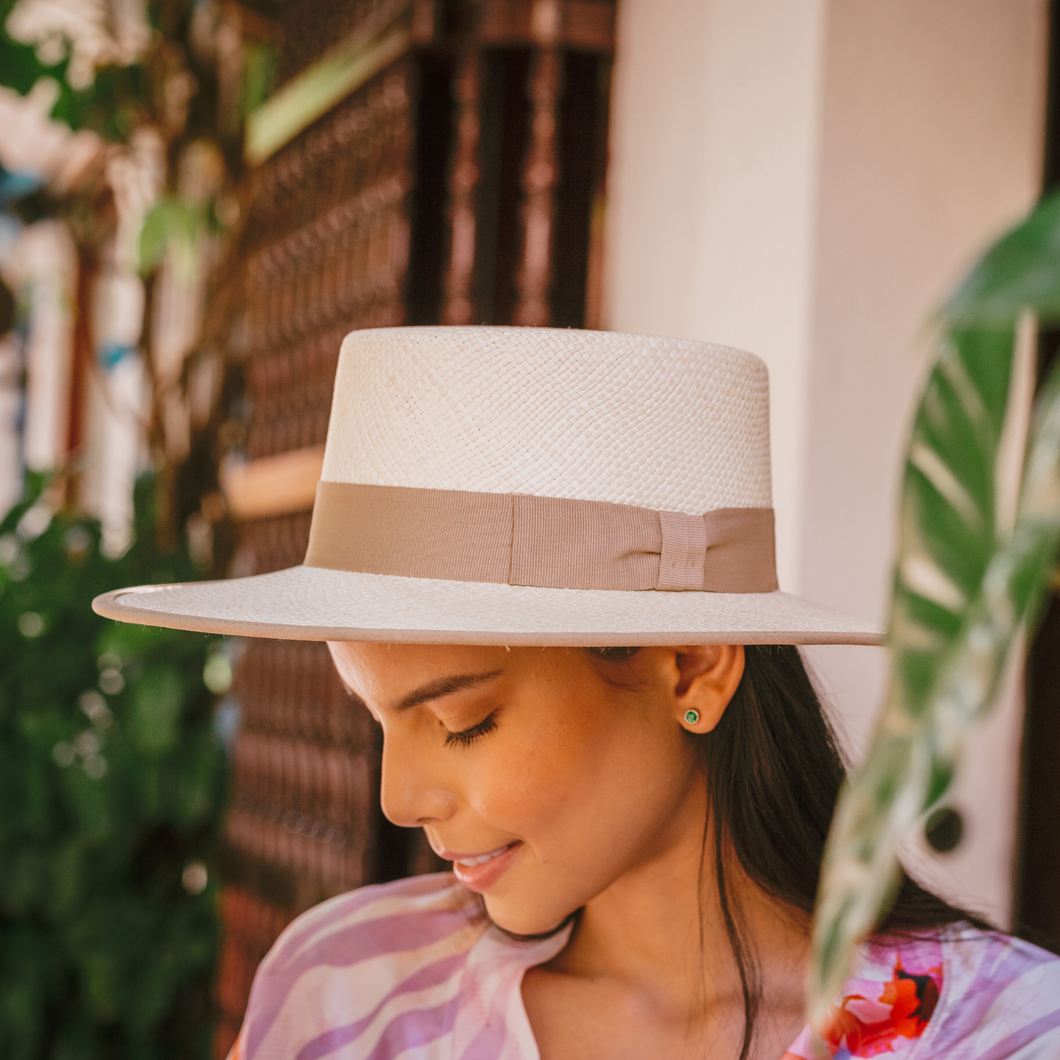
526	917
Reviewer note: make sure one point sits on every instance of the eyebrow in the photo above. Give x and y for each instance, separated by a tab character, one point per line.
445	686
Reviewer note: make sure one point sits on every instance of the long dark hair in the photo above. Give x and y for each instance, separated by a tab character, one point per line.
773	772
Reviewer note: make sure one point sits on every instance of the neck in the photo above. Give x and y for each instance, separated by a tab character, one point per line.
661	928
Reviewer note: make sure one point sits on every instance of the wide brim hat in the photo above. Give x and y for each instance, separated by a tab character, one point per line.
536	486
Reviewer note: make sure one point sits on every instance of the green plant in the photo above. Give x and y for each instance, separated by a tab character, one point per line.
111	783
965	584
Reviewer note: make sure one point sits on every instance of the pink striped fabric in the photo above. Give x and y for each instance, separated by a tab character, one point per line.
413	970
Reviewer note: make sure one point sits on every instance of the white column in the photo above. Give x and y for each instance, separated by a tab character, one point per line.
116	405
43	266
711	196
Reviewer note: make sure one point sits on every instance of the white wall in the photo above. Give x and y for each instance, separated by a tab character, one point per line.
805	180
712	185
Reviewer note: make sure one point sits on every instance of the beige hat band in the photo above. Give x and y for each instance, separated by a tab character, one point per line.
550	542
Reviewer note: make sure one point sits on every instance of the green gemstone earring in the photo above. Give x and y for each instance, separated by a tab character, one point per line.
691	716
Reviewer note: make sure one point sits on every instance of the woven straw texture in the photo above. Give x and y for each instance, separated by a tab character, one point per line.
592	415
310	603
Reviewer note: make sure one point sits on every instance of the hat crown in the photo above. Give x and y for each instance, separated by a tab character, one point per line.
669	424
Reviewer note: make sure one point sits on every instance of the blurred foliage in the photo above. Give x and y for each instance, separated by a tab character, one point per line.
167	84
1019	273
259	75
110	106
111	783
170	81
172	226
172	85
8	307
967	580
111	778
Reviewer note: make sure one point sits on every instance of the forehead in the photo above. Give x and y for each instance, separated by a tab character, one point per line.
393	660
382	674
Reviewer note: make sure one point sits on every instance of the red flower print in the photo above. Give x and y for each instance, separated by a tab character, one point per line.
871	1026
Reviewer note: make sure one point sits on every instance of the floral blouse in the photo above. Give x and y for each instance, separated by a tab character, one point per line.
413	970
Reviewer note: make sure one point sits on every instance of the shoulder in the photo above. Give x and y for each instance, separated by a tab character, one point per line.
1000	998
385	919
343	969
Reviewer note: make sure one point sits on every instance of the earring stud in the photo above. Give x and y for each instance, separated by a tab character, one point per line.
691	716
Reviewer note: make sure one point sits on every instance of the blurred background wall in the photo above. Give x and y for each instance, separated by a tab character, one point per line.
801	178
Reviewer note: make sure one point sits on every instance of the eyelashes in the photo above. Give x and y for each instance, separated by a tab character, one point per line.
466	737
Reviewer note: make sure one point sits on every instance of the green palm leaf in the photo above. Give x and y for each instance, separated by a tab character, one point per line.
961	592
1020	271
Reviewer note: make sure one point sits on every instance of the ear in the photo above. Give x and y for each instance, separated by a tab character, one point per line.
708	675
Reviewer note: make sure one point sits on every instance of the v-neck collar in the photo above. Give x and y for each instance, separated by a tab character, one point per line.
872	1001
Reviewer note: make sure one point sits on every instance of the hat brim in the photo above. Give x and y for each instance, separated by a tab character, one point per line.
313	603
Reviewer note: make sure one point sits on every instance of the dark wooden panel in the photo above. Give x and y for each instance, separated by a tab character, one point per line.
1038	905
1037	912
429	244
581	152
504	136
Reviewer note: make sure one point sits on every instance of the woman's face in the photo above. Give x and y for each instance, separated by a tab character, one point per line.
544	774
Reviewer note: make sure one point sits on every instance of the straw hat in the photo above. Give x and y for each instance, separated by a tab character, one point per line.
528	486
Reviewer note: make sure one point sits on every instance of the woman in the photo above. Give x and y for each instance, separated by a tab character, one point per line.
543	561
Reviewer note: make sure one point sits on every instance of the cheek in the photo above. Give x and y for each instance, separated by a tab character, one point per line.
522	790
588	803
611	798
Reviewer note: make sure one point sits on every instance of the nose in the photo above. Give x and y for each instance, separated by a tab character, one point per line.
412	792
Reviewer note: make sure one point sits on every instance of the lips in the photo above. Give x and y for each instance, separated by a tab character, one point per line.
481	871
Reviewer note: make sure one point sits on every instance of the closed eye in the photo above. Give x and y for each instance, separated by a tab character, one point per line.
466	737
